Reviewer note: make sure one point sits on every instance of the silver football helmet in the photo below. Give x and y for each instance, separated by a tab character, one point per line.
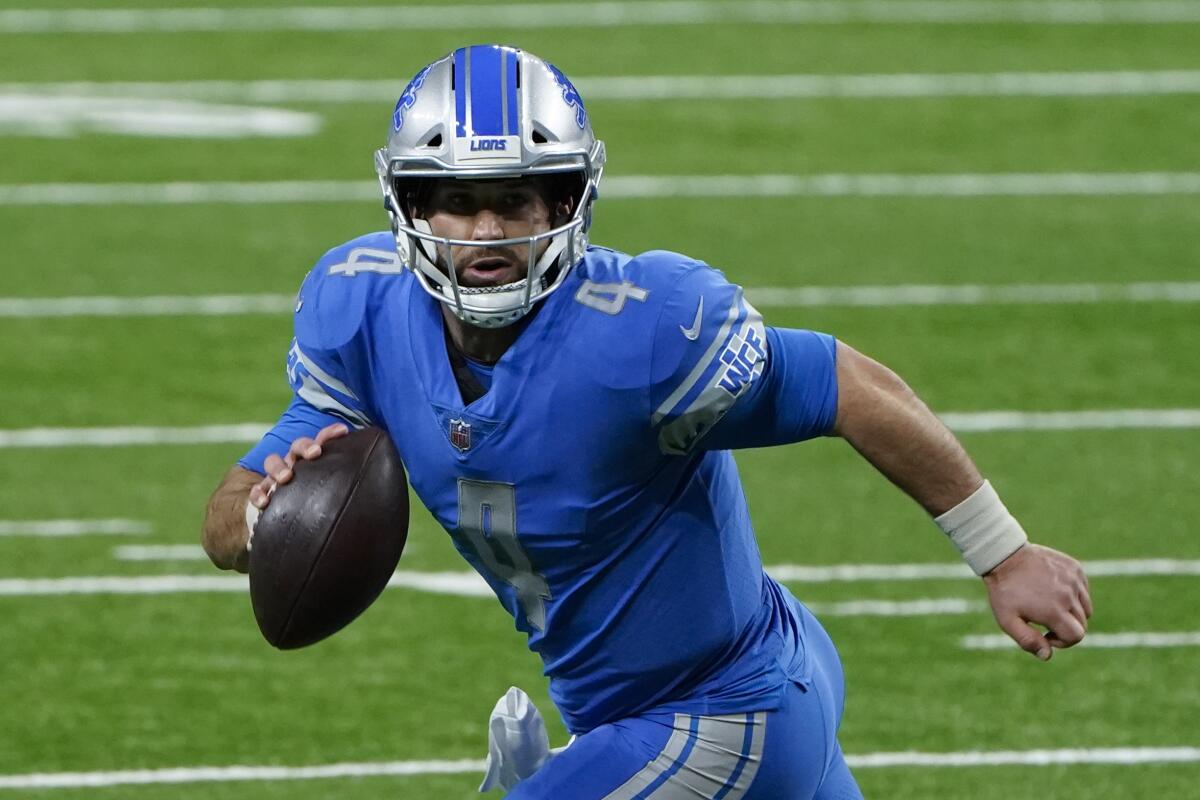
481	112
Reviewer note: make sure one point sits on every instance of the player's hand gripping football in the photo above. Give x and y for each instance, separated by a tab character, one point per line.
279	470
1041	586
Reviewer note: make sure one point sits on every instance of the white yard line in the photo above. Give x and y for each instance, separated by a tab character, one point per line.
792	573
655	87
65	116
250	432
153	306
461	584
523	16
762	296
124	436
1084	184
855	573
1032	758
1121	641
73	527
970	758
464	584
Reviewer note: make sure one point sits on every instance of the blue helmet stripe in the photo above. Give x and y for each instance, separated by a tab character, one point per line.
460	92
511	124
487	98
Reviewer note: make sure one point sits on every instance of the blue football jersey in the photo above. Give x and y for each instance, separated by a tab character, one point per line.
591	485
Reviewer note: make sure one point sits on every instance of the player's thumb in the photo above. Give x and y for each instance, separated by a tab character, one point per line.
1028	638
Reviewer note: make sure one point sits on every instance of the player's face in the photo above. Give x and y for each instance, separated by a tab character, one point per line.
487	211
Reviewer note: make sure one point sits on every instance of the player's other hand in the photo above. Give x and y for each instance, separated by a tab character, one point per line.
279	470
1040	586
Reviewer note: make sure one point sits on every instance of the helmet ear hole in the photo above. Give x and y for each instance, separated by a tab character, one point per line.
541	136
434	141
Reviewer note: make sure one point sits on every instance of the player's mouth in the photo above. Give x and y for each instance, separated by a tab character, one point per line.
489	271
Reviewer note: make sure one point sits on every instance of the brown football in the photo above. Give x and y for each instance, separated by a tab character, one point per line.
329	541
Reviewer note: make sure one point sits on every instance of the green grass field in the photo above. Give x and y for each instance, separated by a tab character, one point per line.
106	682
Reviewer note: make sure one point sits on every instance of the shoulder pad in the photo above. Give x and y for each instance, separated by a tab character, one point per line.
334	295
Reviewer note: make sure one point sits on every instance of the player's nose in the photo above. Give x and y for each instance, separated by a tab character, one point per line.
487	226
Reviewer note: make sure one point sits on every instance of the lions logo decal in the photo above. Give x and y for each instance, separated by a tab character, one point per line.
408	98
570	96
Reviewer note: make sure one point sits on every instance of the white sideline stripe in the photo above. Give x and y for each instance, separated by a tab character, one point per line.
1034	184
970	758
251	432
1122	641
599	15
659	87
852	573
72	527
763	296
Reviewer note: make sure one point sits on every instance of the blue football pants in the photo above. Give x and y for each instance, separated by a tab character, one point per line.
791	753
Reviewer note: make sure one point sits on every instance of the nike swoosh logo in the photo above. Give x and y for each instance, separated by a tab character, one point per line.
693	333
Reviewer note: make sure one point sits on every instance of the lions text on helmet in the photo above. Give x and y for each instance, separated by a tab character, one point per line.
488	176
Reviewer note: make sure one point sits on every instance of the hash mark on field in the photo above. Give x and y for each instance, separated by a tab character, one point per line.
970	758
657	87
1034	184
1120	641
73	527
768	296
523	16
251	432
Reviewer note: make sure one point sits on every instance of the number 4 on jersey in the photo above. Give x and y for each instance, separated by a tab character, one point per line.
487	516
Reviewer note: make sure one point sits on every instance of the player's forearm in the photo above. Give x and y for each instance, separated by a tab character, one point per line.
224	530
885	421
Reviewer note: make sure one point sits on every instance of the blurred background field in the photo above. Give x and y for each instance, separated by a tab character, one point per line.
99	680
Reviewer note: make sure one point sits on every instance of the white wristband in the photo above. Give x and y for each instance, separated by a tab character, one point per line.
982	529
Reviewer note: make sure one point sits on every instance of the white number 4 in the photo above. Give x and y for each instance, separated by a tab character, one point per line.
366	259
609	297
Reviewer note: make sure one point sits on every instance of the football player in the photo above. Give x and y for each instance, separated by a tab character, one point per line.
567	412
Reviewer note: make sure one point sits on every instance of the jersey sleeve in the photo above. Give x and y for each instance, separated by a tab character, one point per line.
727	381
300	419
316	370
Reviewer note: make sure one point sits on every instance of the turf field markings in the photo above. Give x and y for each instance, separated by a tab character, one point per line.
63	116
153	306
251	432
969	758
793	573
654	87
631	187
763	296
73	527
461	584
1126	640
856	573
598	15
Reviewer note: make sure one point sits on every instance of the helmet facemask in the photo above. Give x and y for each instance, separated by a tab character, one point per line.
489	112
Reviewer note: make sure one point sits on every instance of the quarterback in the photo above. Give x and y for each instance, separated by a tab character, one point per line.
567	413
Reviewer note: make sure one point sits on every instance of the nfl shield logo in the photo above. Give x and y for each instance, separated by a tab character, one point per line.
460	434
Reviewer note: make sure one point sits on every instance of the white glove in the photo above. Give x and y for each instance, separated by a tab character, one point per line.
517	742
